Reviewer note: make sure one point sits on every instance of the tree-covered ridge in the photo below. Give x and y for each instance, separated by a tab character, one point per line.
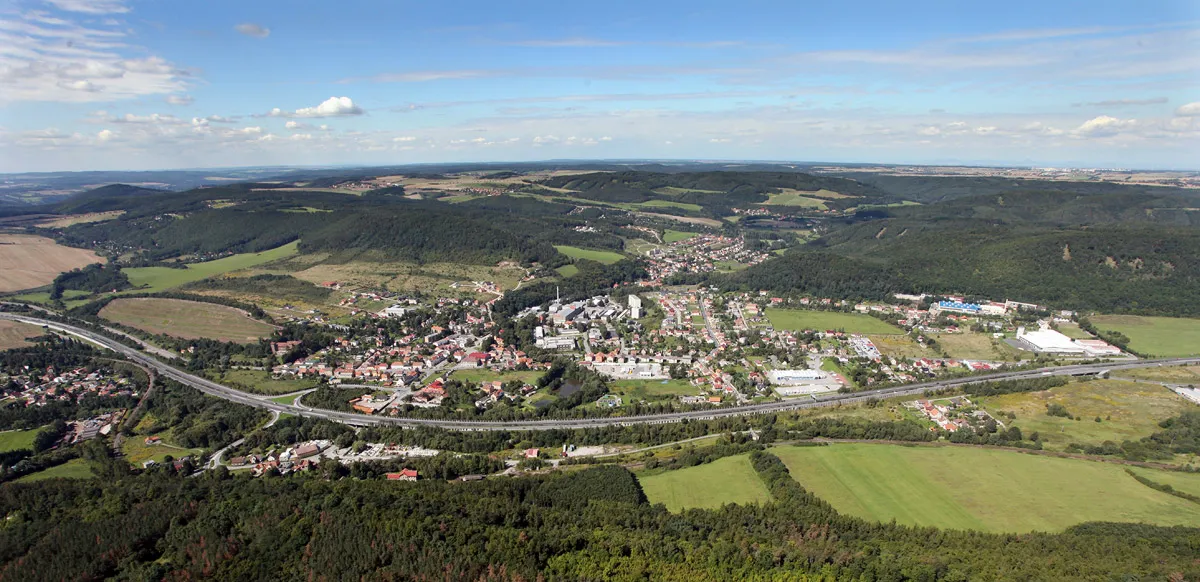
737	187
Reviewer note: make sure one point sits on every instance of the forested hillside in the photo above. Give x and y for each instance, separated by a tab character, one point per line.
730	187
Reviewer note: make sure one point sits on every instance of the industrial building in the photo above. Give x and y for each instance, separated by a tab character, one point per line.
1048	341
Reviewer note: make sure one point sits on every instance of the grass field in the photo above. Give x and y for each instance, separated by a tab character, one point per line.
11	440
14	333
486	375
73	469
567	270
725	480
1073	331
73	219
1185	482
975	346
652	389
800	319
28	261
186	319
795	198
155	279
1160	336
1169	374
260	382
136	451
398	276
606	257
978	488
670	236
669	204
1127	411
901	346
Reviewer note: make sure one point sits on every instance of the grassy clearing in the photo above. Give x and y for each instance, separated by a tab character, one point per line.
1185	482
671	236
1073	331
977	488
1161	336
136	451
14	333
709	486
28	261
606	257
795	198
11	440
1127	411
283	400
652	389
186	319
155	279
801	319
73	219
485	375
73	469
567	270
673	191
669	204
260	382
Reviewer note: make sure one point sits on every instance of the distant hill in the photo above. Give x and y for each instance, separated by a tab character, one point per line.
700	187
104	198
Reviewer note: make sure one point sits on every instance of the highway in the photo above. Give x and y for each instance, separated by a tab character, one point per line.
214	389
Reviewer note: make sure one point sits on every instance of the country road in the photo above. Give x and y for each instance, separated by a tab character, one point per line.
214	389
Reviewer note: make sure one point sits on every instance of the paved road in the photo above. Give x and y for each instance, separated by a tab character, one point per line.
214	389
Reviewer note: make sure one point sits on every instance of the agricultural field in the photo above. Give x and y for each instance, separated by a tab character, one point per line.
11	440
260	382
606	257
73	469
14	333
671	236
399	276
1166	337
708	486
28	261
485	375
977	488
155	279
669	204
652	389
802	319
86	218
186	319
1127	411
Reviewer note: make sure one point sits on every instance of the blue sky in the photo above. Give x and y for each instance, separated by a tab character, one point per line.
143	84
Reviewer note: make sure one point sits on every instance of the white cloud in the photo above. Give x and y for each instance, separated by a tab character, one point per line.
105	134
250	130
301	136
179	99
90	6
296	125
332	107
251	29
1189	110
404	138
985	130
1104	126
719	140
45	58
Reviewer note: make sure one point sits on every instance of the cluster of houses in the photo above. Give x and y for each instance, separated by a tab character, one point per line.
41	387
702	253
951	414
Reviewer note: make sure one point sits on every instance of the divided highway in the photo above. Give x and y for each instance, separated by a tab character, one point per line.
215	389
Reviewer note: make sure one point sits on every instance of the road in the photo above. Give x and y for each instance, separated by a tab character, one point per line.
213	389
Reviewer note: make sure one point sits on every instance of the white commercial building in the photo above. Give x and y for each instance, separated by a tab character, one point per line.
1048	341
635	307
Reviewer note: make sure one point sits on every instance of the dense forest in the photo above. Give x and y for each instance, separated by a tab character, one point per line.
588	524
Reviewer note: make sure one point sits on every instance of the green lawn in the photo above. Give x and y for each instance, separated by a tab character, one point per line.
671	236
155	279
486	375
260	382
1159	336
11	440
800	319
568	270
1185	482
283	400
136	451
978	488
1127	411
606	257
725	480
73	469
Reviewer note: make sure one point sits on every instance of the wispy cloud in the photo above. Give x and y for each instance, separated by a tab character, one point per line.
251	29
1122	102
91	6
